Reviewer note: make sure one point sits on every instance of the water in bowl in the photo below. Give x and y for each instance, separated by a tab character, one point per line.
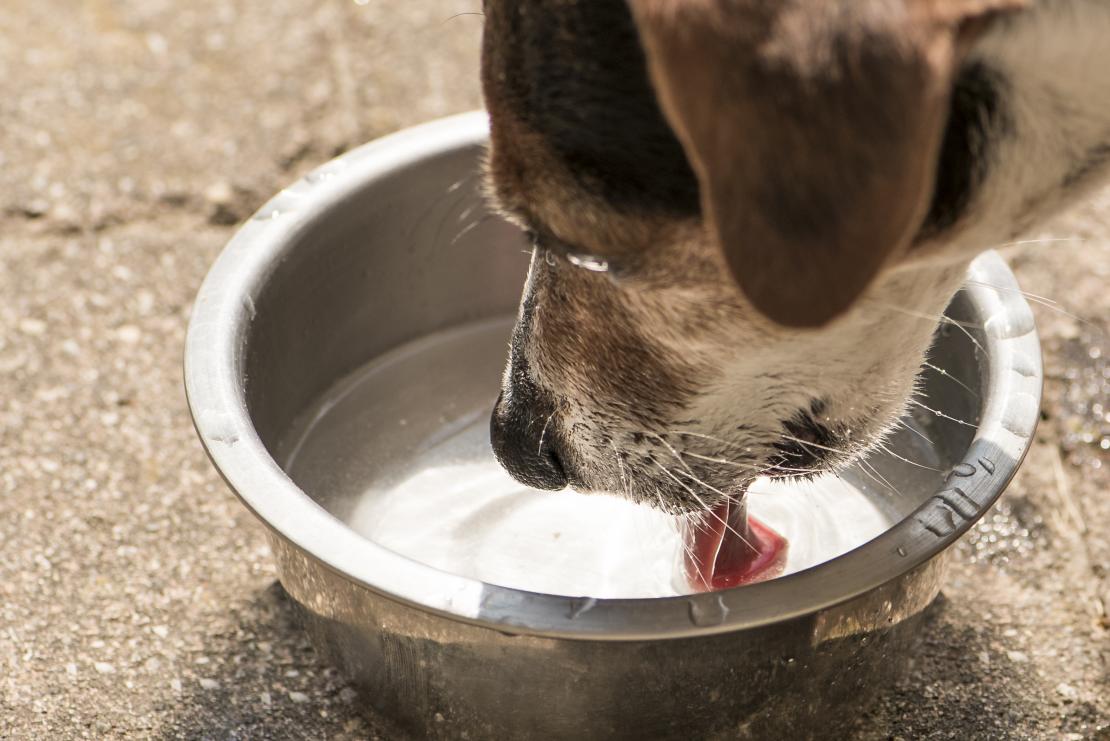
400	452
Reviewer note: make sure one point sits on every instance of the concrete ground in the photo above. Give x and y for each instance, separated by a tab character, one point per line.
138	598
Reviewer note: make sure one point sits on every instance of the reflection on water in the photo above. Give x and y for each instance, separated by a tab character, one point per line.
400	451
461	512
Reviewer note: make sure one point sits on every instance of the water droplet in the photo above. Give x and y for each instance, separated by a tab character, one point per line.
963	469
1024	366
901	551
580	606
225	437
706	610
1020	414
219	427
940	530
266	214
589	262
949	518
1016	322
959	502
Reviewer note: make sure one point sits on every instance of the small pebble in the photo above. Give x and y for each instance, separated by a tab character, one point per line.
1017	657
1066	691
129	334
219	194
298	697
32	326
209	684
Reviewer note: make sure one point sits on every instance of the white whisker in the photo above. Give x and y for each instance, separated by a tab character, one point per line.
878	478
1045	240
888	451
703	436
939	413
539	448
955	380
940	319
620	469
808	443
915	431
469	227
708	509
960	326
1040	300
685	546
671	448
737	464
459	183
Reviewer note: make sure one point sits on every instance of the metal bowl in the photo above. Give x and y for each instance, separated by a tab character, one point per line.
389	243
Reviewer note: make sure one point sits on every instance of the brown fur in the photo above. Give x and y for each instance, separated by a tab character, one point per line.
822	119
802	159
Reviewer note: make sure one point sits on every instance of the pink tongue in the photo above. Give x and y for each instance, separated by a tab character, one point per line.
743	552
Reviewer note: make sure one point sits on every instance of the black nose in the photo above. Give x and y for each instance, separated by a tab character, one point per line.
524	439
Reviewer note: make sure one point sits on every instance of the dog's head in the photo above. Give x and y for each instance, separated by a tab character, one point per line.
739	212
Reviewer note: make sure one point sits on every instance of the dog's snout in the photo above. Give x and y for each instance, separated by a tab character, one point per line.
523	438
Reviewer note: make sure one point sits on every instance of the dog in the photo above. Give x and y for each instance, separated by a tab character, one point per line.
745	212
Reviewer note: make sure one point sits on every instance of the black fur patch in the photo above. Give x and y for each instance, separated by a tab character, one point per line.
814	443
977	118
575	73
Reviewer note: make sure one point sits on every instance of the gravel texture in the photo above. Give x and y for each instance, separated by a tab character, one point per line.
137	597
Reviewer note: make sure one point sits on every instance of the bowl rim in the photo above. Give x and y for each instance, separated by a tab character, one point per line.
214	383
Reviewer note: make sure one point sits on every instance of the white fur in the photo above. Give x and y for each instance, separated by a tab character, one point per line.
1056	59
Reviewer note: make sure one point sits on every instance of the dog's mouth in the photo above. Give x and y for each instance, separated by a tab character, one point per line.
730	549
702	477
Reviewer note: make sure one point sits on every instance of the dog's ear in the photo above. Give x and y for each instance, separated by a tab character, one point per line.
814	129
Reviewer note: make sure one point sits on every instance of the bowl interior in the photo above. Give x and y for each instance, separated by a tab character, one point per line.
412	265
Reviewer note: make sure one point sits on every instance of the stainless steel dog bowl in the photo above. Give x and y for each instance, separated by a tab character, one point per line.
372	250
